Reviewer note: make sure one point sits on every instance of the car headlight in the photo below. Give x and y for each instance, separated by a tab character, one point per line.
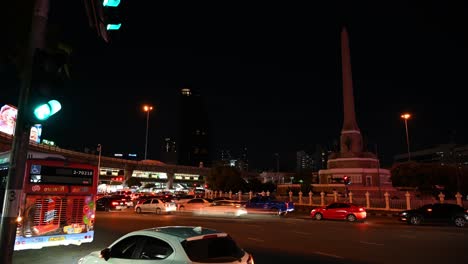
404	213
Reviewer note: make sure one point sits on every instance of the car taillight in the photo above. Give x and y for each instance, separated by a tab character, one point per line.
115	203
361	209
287	205
250	260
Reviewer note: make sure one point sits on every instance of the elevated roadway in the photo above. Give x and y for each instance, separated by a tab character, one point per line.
126	166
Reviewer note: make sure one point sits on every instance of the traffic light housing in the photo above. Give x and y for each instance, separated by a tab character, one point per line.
48	76
104	16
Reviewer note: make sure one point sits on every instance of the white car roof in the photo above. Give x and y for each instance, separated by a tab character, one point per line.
179	233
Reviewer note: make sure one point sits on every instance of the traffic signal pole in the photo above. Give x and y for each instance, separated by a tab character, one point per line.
19	150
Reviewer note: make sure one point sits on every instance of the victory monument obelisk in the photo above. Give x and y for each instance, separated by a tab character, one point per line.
362	168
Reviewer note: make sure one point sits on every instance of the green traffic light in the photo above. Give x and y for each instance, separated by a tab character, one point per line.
113	3
44	111
113	26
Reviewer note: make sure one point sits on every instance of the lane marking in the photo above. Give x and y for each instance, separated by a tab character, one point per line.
407	236
256	239
328	255
252	225
371	243
302	233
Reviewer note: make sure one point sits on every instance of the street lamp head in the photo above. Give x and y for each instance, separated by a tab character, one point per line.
406	116
147	108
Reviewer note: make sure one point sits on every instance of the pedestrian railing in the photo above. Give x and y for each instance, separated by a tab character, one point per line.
385	202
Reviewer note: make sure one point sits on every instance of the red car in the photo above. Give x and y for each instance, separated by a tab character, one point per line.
343	211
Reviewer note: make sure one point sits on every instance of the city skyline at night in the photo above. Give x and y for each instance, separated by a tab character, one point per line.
269	76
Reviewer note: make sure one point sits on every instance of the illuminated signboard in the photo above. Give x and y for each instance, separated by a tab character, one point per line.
8	115
42	174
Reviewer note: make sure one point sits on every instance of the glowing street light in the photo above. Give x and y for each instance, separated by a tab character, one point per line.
407	116
147	109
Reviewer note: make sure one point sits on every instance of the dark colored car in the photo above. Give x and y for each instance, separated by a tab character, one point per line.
269	203
340	211
109	203
436	213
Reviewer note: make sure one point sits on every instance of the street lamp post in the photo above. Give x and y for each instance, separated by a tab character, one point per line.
99	148
147	109
407	116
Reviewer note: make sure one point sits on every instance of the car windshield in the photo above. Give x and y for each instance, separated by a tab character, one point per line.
212	250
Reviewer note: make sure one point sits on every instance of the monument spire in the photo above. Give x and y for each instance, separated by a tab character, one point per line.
351	139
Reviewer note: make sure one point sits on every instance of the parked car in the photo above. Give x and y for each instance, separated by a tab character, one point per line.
436	213
192	204
110	203
223	208
340	211
155	205
172	244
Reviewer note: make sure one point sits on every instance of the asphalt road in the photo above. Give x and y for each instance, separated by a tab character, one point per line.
291	239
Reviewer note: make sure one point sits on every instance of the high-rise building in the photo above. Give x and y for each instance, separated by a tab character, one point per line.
304	161
169	151
193	140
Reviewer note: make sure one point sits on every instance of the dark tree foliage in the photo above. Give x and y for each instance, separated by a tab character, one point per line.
426	176
226	179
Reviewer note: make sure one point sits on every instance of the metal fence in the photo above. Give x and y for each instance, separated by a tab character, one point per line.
370	202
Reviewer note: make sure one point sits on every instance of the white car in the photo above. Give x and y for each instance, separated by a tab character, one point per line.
223	208
155	205
172	244
192	204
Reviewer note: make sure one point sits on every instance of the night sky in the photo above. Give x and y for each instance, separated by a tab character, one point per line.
269	73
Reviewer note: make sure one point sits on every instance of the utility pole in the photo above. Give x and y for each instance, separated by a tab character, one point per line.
378	170
19	150
99	164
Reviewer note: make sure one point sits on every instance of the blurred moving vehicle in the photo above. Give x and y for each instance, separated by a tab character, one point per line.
192	204
340	211
110	203
155	205
260	204
436	213
172	244
223	208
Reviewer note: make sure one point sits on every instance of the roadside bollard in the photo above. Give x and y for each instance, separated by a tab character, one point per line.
350	194
408	201
367	200
300	197
459	199
322	198
290	196
387	201
310	198
441	197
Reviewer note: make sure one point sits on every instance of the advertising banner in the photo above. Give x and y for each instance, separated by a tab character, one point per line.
8	115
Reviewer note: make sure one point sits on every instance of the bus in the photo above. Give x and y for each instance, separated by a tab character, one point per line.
57	203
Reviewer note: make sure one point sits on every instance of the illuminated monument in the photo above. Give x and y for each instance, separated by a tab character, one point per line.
361	167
